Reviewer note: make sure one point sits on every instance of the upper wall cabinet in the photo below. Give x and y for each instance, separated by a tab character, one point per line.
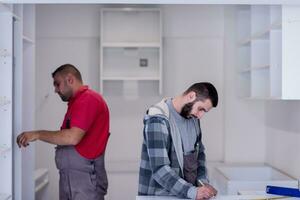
268	51
130	45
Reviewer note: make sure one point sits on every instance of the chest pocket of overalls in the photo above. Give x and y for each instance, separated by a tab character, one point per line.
190	164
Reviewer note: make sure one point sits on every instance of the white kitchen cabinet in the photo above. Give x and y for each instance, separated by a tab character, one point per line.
6	106
130	46
268	46
17	111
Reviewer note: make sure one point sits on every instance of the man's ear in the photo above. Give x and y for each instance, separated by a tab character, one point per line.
192	96
70	79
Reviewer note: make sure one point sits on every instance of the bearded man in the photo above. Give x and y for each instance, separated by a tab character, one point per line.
173	158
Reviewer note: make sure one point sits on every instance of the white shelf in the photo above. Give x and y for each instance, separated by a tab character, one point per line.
130	44
256	36
258	67
245	69
5	196
39	173
42	185
246	41
130	78
41	179
28	40
261	35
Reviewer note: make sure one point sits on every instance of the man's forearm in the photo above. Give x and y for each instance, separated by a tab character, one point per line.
169	180
62	137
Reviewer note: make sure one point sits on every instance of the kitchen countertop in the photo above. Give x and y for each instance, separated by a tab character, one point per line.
222	197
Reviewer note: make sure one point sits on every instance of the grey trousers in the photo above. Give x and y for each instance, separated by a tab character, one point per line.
80	178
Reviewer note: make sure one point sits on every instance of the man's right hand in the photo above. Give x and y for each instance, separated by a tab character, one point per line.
205	192
24	138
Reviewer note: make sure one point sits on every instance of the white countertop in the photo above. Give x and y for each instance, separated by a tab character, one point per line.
221	197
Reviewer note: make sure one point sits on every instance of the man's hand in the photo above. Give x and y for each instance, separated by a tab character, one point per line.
24	138
206	192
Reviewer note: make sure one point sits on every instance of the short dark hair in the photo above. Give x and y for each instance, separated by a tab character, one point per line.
204	90
66	69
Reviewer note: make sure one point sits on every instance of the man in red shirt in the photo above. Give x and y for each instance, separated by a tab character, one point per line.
81	141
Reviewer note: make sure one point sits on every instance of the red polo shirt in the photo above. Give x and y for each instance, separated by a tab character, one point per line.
88	111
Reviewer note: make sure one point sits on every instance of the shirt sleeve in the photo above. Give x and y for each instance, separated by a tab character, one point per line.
84	114
155	133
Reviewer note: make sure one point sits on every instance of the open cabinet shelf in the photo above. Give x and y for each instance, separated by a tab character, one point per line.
130	46
268	67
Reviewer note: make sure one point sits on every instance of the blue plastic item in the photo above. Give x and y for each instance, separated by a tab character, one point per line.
283	191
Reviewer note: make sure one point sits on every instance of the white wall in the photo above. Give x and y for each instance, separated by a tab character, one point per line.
283	136
193	51
193	42
65	34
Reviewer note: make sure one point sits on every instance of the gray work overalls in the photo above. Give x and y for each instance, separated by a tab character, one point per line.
190	165
80	178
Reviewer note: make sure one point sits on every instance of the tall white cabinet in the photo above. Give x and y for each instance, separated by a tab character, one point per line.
6	98
130	46
268	60
17	95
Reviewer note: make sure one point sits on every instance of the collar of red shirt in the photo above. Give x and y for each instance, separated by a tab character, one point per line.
81	90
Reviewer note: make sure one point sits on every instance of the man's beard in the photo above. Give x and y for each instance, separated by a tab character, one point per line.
186	110
66	97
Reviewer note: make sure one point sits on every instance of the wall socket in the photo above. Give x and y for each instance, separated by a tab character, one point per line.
143	62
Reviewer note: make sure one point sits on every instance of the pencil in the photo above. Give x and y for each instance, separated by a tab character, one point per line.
200	182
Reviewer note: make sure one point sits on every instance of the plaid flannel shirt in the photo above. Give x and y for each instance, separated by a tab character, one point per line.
160	173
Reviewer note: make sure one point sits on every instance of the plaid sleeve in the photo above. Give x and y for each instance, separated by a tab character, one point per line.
156	136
